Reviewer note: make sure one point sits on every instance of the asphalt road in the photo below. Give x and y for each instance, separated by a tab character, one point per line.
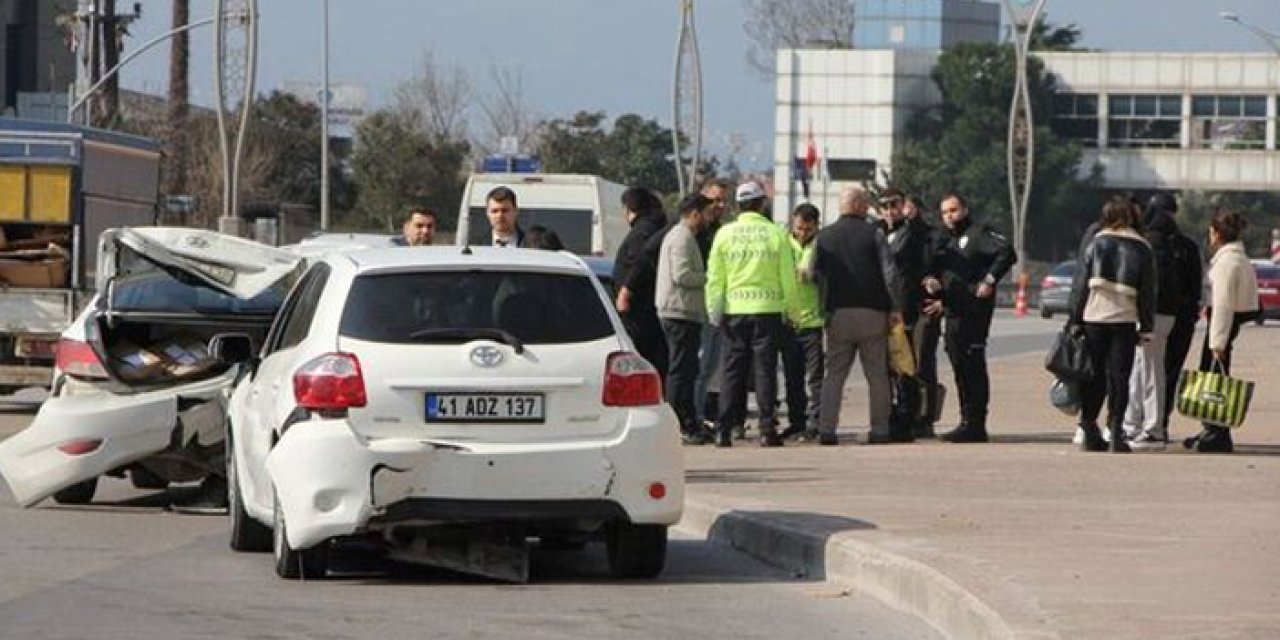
126	567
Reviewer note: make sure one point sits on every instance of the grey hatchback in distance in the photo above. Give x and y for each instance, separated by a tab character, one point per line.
1055	289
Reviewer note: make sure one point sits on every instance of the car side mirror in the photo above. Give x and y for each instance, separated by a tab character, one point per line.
232	348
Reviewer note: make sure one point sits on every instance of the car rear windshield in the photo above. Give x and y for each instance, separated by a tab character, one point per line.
441	306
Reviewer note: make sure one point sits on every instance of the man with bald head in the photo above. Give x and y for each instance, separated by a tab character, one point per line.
862	297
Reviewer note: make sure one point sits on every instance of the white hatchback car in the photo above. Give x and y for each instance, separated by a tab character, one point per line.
450	405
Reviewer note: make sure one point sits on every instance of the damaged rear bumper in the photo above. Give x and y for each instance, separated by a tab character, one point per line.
330	482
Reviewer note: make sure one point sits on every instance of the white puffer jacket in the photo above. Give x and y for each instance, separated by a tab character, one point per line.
1234	287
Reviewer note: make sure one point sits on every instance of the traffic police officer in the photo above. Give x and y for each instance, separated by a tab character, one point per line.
751	284
967	261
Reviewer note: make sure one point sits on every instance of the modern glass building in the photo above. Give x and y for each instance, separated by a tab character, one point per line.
923	24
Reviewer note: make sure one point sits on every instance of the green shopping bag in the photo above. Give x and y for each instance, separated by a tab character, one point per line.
1212	397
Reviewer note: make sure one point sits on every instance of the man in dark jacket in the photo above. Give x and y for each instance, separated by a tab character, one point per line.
634	274
966	264
908	239
1148	395
1184	292
862	295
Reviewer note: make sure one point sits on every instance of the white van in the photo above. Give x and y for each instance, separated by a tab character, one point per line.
584	211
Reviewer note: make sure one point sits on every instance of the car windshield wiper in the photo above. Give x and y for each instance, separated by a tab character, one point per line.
458	333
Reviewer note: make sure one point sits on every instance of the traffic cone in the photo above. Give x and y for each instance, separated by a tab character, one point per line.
1020	301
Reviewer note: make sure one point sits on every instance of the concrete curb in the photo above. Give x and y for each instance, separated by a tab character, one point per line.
902	583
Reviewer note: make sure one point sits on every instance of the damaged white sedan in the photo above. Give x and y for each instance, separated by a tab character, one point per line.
451	406
136	392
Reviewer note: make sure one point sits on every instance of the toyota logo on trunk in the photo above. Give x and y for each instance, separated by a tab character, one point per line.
486	357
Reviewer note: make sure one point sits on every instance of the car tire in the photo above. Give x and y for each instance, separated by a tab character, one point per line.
1046	314
143	478
636	550
78	493
296	564
247	534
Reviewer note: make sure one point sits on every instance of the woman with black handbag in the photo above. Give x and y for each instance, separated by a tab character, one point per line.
1114	300
1233	301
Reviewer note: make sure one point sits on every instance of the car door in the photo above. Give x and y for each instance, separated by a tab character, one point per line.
262	405
96	428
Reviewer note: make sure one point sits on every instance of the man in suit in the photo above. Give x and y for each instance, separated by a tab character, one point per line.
504	215
419	229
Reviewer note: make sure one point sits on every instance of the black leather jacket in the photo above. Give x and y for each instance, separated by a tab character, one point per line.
1120	262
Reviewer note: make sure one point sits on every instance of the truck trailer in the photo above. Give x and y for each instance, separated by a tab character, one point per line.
61	185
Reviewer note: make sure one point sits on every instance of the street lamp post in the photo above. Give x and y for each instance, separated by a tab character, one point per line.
83	98
1271	39
324	124
1021	149
687	100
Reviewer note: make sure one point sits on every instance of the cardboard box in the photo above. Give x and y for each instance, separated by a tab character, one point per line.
47	273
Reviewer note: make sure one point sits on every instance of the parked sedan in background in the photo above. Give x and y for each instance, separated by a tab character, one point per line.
1055	289
1268	274
448	405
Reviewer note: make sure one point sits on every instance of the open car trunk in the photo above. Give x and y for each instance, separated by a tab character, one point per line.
163	292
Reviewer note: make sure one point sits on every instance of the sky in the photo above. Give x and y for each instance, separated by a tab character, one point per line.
610	55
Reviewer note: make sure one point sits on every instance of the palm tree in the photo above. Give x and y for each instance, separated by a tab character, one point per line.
179	107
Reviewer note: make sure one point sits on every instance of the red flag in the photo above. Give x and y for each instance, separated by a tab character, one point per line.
810	153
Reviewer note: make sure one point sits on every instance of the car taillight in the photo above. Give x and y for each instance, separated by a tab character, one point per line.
1047	283
630	381
78	359
332	381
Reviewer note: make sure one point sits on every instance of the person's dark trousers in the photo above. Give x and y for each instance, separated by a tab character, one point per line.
750	340
966	342
643	326
1175	358
683	337
1214	438
1111	349
802	366
924	337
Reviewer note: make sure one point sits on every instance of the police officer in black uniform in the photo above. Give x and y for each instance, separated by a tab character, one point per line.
966	262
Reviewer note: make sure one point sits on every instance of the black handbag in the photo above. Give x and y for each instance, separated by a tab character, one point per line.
1068	360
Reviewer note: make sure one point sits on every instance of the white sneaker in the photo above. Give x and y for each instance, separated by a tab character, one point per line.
1148	442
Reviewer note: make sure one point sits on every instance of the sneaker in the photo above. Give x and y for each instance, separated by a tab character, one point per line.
1148	442
828	440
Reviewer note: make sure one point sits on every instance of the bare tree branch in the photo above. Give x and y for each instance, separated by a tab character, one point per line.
505	111
795	24
437	97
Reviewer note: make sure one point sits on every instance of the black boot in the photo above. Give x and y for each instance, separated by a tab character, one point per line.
1119	442
1215	440
1092	438
724	436
966	432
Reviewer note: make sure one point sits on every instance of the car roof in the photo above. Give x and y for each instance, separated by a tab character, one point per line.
409	258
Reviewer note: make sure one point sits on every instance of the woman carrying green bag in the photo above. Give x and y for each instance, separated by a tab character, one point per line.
1233	301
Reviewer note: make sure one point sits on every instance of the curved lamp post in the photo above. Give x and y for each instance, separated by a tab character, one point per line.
1021	150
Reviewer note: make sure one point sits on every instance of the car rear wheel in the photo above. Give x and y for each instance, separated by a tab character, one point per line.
78	493
1046	313
636	550
247	534
294	564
